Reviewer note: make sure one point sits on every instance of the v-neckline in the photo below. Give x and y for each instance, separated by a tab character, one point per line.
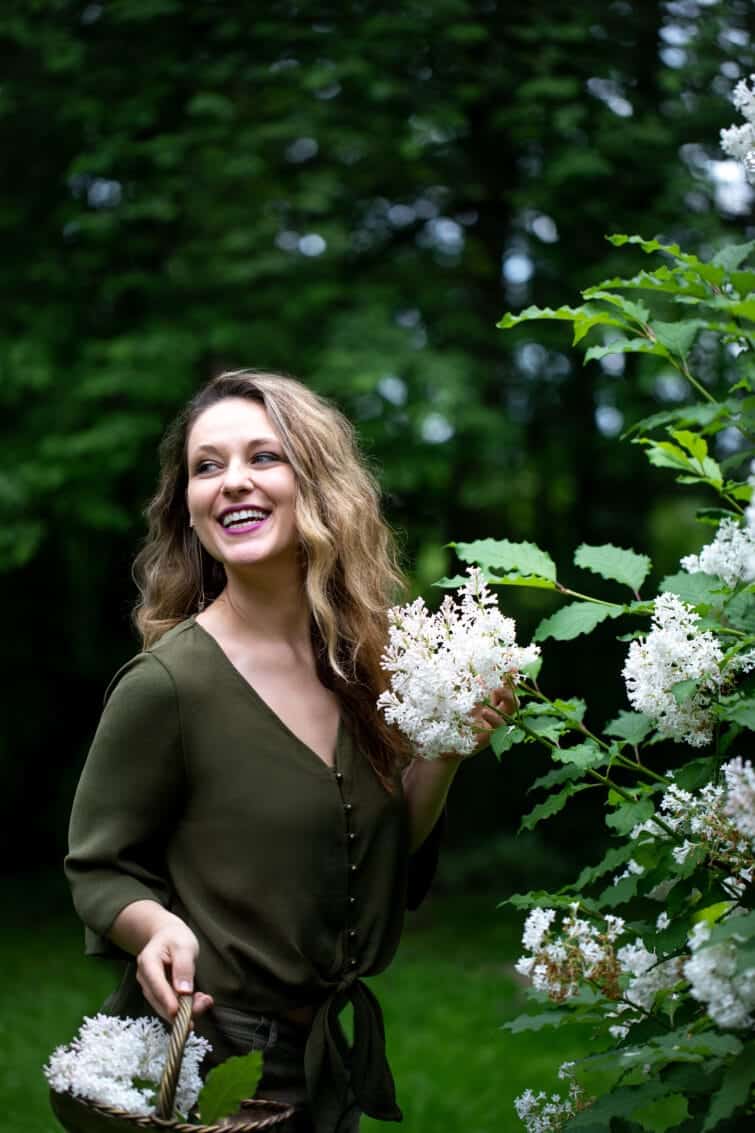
329	767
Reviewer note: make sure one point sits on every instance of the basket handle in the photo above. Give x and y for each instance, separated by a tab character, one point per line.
178	1036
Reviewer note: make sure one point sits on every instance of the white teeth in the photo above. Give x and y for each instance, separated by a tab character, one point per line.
241	514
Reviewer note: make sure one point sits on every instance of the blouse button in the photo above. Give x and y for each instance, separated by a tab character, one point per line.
339	776
352	934
348	807
353	962
351	836
352	900
352	869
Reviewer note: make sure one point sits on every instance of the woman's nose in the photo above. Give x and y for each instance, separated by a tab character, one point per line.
238	477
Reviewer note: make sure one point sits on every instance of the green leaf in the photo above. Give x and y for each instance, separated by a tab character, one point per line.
565	774
734	1091
697	589
662	1113
505	737
500	554
574	619
741	712
630	726
537	1022
615	563
682	691
568	314
626	346
695	445
552	805
731	256
583	755
228	1084
677	337
620	1102
615	857
638	312
629	815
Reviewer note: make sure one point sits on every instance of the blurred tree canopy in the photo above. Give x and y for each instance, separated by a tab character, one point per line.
352	193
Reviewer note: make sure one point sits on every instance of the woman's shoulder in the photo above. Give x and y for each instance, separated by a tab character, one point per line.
156	670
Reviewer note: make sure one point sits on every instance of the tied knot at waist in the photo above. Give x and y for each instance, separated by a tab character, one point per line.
337	1073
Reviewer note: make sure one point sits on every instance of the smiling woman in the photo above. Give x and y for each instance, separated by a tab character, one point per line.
248	829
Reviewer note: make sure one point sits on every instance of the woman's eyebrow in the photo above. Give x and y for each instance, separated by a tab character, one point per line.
253	443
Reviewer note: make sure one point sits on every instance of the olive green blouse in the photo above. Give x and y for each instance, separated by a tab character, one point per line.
293	875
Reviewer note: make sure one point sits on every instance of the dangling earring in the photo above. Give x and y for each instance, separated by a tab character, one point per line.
196	552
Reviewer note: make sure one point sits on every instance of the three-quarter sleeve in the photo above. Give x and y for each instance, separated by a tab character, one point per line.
127	800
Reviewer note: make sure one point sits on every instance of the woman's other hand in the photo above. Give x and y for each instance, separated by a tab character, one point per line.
489	715
166	953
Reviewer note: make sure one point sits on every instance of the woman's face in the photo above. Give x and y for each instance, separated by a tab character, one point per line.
241	489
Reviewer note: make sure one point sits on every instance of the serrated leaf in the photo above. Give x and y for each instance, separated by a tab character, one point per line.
552	805
572	620
565	774
697	589
695	445
626	346
638	312
500	554
615	857
583	755
615	563
732	255
621	1102
740	712
568	314
682	691
620	892
629	815
662	1113
662	454
593	317
543	725
677	337
686	415
228	1084
630	726
505	737
734	1091
537	1022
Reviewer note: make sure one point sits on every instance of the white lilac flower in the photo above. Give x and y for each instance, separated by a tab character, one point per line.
739	141
648	975
109	1054
675	650
728	994
543	1114
719	818
730	556
662	921
739	806
442	665
560	959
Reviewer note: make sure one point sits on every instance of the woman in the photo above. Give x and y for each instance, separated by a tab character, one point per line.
247	826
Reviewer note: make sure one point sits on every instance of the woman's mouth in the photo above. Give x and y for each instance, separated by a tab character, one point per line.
242	521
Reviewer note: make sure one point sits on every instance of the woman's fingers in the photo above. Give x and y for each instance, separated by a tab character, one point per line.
151	972
165	967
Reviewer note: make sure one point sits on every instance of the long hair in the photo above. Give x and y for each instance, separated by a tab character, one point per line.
351	570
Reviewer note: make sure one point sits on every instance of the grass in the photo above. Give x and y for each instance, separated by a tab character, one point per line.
444	997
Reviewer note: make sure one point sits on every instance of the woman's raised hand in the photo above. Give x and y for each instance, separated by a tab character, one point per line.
165	969
489	715
166	953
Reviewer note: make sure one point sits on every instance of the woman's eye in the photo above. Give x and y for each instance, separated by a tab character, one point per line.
265	457
205	466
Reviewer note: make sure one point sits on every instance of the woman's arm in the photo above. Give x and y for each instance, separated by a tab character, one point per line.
427	782
166	952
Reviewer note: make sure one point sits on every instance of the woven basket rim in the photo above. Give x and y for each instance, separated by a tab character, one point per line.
236	1124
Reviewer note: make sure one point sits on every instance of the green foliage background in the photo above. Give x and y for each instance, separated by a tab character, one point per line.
171	168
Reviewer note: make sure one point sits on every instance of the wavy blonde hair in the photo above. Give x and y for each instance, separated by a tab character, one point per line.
350	563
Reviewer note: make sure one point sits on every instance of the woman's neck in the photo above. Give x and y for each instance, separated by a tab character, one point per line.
264	606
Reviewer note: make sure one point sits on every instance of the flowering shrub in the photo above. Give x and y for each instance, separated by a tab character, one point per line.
654	946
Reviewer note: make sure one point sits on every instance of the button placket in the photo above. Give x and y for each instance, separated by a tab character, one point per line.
350	933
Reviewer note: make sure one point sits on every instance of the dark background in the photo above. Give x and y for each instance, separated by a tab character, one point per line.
353	193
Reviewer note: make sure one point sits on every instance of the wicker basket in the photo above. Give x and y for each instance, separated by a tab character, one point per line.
80	1116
